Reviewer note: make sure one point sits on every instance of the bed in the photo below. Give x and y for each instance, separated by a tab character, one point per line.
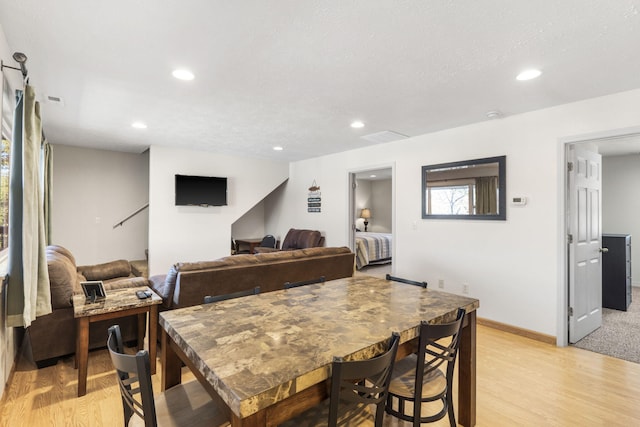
373	248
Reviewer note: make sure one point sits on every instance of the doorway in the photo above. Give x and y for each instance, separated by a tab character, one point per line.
620	154
371	217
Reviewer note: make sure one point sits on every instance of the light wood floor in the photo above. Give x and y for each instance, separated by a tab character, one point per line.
521	382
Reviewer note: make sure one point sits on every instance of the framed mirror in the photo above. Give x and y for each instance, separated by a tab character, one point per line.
471	189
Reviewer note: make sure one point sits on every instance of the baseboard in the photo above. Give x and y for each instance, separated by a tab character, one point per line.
548	339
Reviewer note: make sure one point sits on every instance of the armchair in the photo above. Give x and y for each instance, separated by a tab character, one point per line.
296	239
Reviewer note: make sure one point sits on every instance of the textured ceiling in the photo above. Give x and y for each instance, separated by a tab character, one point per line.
296	73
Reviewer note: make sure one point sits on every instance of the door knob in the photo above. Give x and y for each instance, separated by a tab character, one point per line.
604	250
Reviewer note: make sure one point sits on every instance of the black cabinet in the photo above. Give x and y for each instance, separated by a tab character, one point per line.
616	271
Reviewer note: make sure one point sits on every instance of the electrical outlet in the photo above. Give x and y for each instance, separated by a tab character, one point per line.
441	284
465	288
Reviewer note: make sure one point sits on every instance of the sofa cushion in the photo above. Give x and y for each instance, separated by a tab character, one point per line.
62	251
64	280
157	283
240	259
165	288
299	239
126	282
275	256
108	270
300	253
325	251
139	267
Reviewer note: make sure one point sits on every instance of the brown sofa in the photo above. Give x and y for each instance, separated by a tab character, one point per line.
54	335
296	239
187	284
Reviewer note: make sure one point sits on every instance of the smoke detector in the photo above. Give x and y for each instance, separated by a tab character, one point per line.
494	114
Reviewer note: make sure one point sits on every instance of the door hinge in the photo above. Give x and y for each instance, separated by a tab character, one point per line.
570	311
570	166
570	238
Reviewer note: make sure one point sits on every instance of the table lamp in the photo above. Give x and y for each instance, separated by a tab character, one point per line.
365	214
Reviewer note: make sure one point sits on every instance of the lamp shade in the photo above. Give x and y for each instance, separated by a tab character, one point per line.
365	213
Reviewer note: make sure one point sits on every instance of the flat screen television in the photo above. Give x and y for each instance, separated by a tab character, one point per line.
201	191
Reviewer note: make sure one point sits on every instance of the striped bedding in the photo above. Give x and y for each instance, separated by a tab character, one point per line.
372	248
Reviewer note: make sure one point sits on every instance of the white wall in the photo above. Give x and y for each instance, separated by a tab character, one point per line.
251	224
380	221
193	233
621	203
515	267
92	191
375	195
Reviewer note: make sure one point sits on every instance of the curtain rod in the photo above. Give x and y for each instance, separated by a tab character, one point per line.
20	58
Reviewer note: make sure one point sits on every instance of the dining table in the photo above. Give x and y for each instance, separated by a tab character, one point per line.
266	358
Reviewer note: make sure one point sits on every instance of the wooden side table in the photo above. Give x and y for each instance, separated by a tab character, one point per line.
252	243
118	303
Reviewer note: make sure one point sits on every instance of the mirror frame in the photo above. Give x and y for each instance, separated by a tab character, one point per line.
502	188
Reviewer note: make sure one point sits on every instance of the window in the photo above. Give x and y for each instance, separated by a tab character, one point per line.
6	111
451	200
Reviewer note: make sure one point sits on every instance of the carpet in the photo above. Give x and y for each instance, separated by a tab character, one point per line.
619	334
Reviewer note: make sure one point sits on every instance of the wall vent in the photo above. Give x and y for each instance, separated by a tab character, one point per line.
56	100
384	136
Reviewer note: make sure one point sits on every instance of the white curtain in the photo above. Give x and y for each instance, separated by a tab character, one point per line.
28	294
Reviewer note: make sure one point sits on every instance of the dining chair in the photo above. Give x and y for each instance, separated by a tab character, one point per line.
418	384
289	285
216	298
267	244
187	404
355	386
407	281
268	241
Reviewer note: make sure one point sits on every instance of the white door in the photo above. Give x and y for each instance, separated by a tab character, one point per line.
585	241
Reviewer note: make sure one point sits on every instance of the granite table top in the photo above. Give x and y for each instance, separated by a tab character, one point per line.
260	349
116	300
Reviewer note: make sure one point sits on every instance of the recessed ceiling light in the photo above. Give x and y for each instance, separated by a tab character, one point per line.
139	125
357	124
528	74
372	176
183	74
278	148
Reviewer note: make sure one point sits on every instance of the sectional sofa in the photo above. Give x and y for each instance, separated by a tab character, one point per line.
187	283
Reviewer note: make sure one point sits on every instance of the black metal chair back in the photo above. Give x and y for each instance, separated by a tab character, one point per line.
407	281
215	298
289	285
134	380
357	387
268	241
433	351
364	382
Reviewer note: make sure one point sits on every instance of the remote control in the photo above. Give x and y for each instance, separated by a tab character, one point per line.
143	294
